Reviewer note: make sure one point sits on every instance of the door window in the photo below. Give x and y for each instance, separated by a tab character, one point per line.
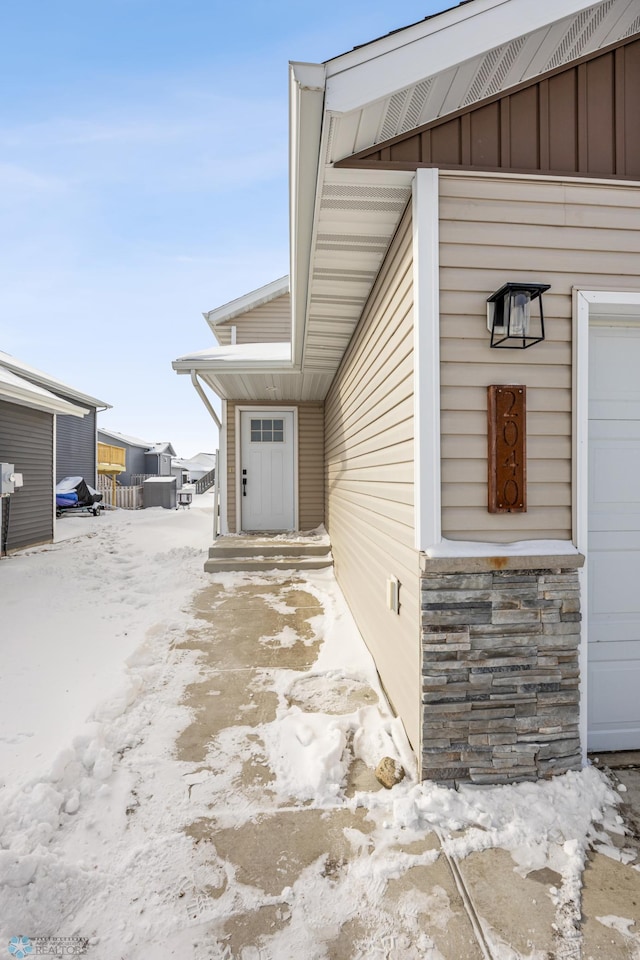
267	431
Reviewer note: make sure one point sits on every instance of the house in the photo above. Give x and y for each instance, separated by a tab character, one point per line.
195	468
143	459
464	484
29	417
75	445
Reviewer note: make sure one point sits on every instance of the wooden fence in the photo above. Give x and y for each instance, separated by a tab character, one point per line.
127	498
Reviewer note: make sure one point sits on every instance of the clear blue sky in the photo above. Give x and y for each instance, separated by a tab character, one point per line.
143	179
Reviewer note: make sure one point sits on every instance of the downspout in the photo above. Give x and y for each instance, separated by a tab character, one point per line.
205	399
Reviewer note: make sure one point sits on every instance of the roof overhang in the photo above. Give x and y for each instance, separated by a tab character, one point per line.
342	221
385	88
49	383
253	372
381	68
17	390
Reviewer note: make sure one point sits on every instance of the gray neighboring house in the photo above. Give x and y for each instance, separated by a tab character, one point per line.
28	421
144	459
75	438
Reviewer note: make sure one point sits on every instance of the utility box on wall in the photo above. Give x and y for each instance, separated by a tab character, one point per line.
9	479
160	492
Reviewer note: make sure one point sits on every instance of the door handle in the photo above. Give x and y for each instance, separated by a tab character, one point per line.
244	483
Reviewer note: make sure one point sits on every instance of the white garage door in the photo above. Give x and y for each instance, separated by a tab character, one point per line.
614	537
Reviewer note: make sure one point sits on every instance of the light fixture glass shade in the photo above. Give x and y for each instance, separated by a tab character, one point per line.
514	315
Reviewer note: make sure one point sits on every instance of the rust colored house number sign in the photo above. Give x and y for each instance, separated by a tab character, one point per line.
506	410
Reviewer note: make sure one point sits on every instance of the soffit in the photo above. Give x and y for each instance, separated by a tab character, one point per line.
263	387
515	61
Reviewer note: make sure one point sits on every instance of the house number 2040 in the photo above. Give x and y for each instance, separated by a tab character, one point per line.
507	459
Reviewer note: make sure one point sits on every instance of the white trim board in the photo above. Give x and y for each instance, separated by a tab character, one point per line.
587	304
265	408
426	333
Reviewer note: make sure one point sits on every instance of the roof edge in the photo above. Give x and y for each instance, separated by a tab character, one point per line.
249	301
397	60
49	383
306	111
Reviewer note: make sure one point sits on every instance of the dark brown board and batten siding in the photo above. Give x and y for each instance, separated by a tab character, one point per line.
369	444
581	119
26	441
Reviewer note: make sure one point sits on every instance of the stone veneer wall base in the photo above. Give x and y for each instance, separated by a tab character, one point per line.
500	674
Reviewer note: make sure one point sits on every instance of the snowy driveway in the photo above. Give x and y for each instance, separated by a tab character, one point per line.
219	800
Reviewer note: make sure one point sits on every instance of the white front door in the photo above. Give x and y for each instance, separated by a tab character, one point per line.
267	473
614	537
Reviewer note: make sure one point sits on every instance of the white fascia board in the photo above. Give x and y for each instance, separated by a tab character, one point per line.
252	357
406	57
306	106
48	383
249	301
40	400
189	365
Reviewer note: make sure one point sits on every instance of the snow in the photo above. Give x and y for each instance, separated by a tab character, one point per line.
19	390
72	613
519	548
277	351
95	808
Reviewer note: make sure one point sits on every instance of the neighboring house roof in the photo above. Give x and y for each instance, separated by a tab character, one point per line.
49	383
16	389
159	448
162	447
124	438
343	219
201	461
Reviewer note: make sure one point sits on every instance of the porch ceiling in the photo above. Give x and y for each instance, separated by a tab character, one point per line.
277	386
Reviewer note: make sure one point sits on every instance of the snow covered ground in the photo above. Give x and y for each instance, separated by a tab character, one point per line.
98	815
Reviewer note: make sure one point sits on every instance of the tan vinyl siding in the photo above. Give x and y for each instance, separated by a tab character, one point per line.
268	323
310	462
369	434
494	229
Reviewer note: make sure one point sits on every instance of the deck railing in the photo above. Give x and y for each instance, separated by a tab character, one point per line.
206	482
111	459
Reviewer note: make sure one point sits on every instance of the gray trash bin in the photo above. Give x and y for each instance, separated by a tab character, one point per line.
160	492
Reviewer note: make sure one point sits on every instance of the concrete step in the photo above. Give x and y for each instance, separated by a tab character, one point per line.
254	564
267	548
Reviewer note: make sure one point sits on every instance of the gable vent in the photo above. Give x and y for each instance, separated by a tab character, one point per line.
577	37
493	71
634	28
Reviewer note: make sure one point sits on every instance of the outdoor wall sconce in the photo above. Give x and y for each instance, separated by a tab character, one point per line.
514	315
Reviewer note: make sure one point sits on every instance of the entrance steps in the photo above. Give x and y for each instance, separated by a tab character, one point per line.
259	553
